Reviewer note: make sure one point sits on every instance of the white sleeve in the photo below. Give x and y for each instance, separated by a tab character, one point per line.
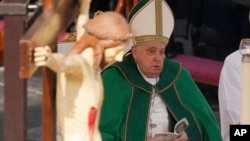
229	93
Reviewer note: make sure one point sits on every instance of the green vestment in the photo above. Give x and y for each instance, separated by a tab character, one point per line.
125	109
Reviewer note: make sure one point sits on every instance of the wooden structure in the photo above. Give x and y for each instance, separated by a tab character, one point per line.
1	42
124	6
16	20
15	100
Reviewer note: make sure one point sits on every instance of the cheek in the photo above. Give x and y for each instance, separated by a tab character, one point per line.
142	62
149	60
147	63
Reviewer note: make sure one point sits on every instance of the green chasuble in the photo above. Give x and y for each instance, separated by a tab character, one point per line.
126	105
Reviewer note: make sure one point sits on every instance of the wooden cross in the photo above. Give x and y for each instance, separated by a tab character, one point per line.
45	31
55	18
124	6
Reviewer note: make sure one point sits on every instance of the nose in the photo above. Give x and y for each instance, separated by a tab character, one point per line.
159	56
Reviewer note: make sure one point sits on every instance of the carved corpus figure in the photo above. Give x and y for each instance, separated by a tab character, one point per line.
79	85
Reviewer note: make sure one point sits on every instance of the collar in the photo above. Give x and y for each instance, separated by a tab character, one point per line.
169	75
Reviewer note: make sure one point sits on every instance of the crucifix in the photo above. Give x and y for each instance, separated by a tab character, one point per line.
79	87
54	22
55	18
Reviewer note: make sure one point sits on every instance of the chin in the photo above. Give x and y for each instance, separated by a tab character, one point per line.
153	75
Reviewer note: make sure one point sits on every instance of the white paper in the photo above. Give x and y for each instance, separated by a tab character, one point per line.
179	128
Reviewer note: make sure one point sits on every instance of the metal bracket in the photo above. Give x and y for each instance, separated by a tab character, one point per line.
12	9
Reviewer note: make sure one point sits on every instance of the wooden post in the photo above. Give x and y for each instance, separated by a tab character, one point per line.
14	88
15	91
49	106
125	6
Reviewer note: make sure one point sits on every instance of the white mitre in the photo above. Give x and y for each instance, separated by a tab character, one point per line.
151	21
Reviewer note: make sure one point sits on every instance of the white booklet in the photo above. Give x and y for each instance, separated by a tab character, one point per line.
179	128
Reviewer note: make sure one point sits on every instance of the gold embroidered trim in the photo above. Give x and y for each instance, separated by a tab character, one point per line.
158	17
150	38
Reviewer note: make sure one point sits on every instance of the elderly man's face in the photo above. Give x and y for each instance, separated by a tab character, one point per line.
150	58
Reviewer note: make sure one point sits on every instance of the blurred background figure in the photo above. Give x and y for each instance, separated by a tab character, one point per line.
229	93
210	29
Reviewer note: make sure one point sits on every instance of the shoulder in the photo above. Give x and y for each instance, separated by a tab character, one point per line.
110	70
233	60
112	73
231	67
175	68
